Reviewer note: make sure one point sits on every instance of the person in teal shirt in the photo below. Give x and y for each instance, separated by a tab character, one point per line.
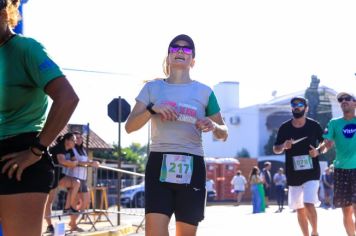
341	133
28	76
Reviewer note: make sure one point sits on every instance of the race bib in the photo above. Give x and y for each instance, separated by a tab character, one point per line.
187	113
303	162
176	169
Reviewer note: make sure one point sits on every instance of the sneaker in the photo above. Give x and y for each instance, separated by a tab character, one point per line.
50	229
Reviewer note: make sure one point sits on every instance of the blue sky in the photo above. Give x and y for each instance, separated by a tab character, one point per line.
267	46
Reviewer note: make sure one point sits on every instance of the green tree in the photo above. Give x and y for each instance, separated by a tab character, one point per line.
269	145
134	154
243	153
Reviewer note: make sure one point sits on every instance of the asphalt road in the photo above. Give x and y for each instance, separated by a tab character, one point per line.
238	220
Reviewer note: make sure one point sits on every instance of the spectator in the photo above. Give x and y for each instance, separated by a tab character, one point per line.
328	184
258	195
210	189
80	173
27	77
280	181
267	180
62	154
239	184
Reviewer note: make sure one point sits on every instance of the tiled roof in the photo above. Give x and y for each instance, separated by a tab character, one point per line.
95	142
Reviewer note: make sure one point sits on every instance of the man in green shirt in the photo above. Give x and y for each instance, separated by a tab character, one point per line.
340	133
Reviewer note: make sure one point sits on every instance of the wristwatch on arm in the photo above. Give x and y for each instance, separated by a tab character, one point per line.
149	108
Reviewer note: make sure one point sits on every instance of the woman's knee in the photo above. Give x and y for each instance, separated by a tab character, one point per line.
75	183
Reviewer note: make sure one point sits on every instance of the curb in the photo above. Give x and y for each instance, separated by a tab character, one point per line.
119	231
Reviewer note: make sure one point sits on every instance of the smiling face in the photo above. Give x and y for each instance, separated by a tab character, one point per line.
79	139
180	55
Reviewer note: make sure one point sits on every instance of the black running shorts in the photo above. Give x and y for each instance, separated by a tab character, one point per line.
35	178
186	201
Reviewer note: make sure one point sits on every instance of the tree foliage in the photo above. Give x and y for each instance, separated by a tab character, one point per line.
133	154
243	153
269	145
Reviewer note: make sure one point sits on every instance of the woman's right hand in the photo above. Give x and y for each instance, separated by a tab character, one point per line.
17	162
166	111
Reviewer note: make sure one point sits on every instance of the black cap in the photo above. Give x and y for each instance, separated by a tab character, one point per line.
182	37
301	99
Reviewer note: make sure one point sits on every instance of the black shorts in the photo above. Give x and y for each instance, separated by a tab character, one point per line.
344	187
58	175
35	178
83	186
186	201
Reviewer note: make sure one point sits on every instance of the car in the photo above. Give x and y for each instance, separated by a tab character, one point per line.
133	196
211	195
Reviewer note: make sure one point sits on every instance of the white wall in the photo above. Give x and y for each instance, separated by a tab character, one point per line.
242	135
227	94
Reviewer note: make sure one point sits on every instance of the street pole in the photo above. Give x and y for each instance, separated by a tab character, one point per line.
88	138
119	161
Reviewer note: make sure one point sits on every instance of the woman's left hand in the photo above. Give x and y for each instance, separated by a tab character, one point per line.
17	162
205	125
94	164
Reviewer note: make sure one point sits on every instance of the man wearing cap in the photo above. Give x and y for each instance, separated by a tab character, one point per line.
340	132
299	137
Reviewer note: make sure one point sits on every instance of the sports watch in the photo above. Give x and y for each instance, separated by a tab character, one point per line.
149	108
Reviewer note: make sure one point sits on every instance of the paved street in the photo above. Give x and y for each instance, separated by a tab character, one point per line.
226	220
231	220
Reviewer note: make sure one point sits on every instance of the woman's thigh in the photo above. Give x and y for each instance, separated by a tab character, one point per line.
22	214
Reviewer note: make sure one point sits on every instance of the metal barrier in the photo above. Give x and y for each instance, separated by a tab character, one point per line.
104	201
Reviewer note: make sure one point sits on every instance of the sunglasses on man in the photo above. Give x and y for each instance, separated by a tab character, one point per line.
345	98
185	49
297	104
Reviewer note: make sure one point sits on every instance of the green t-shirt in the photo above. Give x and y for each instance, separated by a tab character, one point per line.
25	70
342	132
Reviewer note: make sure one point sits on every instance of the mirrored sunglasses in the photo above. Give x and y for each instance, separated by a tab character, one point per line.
346	98
185	49
299	104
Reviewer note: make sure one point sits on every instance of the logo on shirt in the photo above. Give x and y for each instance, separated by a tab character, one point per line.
349	130
46	64
186	112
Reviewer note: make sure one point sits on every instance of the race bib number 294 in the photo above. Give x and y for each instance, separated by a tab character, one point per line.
176	169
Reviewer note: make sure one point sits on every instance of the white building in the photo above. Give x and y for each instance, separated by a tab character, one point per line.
250	127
